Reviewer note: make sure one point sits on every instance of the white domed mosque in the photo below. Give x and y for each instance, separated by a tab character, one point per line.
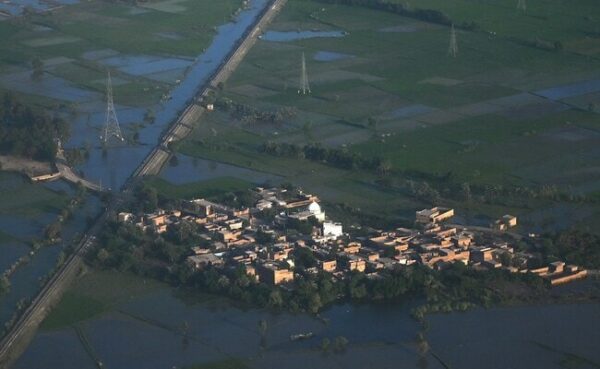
315	209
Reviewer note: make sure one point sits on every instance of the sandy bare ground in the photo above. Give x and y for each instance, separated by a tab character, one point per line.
27	166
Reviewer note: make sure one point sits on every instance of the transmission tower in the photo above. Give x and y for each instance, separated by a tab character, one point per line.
304	85
111	126
522	5
453	49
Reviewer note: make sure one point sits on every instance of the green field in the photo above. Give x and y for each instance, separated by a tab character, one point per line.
477	118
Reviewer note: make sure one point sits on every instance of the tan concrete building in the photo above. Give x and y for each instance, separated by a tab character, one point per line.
274	274
434	215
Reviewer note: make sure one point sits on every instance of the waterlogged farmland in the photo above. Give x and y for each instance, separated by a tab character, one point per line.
146	324
508	119
26	213
151	79
155	74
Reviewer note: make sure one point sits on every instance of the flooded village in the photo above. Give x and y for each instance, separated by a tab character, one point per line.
398	158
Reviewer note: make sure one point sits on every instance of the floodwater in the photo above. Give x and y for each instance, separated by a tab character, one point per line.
408	111
16	7
25	282
148	332
149	66
524	337
286	36
114	167
576	89
48	86
191	169
10	252
325	56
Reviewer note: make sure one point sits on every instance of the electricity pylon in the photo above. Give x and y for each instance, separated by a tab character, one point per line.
453	49
522	5
304	85
111	125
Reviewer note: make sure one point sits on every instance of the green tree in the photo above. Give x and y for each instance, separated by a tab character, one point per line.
4	285
53	231
325	344
340	344
275	299
315	304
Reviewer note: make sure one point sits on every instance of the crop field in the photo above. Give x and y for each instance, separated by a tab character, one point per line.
517	106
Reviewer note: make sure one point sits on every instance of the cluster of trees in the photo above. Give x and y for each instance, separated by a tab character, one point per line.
433	187
28	133
543	44
248	114
573	246
426	15
237	199
340	158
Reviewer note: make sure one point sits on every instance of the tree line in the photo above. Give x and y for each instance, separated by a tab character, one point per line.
340	158
425	15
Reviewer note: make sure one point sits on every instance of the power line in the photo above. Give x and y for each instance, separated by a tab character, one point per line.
111	125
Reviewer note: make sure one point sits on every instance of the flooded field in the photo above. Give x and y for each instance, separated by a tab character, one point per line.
27	224
191	169
17	7
116	164
325	56
162	330
286	36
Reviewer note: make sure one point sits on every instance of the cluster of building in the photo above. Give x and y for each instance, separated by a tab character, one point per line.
266	240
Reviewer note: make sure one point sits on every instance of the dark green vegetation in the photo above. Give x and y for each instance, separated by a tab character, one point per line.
208	189
574	247
396	124
29	133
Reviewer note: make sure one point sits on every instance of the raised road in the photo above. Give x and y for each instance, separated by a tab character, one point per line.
16	340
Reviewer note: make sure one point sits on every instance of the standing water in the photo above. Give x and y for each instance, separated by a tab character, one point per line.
113	166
